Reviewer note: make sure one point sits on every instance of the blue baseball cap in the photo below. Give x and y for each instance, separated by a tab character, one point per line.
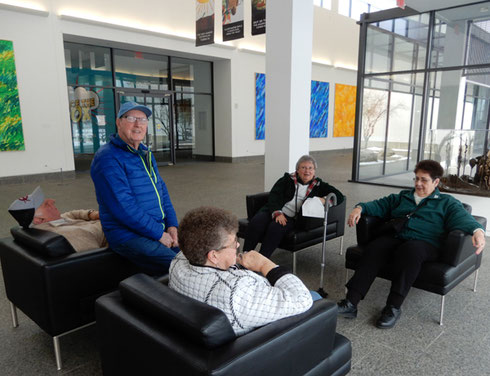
128	106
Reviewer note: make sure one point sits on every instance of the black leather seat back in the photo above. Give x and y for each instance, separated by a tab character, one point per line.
43	242
255	203
200	322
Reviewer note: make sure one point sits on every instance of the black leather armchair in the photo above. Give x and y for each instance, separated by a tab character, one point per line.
457	261
52	284
148	329
301	238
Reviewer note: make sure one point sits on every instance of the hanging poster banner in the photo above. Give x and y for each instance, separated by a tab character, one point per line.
204	22
258	17
232	19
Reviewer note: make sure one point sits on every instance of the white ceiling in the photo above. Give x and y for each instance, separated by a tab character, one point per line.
426	5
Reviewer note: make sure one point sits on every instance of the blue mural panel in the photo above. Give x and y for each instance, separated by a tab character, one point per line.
319	109
259	106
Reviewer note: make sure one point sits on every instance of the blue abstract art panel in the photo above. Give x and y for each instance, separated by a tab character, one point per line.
259	106
318	109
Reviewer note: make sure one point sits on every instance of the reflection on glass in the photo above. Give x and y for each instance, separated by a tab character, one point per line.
390	119
374	110
92	118
378	50
191	75
87	65
397	45
141	70
460	36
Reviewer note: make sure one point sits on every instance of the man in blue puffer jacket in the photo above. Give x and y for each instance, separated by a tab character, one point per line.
136	213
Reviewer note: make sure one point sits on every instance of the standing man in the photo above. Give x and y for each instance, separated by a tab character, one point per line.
136	213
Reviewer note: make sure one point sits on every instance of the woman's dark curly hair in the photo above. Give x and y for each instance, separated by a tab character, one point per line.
204	229
433	168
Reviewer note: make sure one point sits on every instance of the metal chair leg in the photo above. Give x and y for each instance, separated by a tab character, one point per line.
57	353
442	309
13	314
346	279
341	244
294	263
476	280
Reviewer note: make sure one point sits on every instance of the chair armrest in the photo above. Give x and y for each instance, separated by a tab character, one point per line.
365	228
300	341
457	247
58	293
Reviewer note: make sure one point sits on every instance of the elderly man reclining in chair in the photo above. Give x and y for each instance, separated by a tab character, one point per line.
81	227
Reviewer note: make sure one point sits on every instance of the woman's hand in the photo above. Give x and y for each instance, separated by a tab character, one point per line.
354	216
256	262
478	241
281	219
93	215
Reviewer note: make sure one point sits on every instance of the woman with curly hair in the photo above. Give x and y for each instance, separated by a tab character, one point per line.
206	270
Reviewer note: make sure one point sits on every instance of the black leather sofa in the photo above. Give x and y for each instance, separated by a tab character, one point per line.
299	239
52	284
145	328
457	262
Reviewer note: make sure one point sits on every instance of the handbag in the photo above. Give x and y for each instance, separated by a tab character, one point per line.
395	225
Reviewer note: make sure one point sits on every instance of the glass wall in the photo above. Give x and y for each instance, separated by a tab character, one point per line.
424	88
178	90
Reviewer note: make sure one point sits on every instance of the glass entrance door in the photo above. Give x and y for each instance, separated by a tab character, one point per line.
160	135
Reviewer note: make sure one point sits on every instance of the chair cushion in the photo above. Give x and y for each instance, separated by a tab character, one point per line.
46	243
201	322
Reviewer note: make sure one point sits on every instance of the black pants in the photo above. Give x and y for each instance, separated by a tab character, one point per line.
262	228
405	258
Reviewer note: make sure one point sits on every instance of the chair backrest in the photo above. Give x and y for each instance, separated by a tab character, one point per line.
199	322
46	243
255	202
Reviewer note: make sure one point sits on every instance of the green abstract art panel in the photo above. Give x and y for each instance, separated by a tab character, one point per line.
11	136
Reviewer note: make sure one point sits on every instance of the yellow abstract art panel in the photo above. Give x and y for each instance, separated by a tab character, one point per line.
345	111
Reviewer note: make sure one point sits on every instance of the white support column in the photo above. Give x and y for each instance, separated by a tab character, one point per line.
288	85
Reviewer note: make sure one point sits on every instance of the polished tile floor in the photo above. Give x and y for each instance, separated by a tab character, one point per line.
416	346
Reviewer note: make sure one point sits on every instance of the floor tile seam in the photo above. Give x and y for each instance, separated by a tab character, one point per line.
68	371
433	341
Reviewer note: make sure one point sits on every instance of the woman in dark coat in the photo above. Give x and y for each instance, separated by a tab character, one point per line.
283	209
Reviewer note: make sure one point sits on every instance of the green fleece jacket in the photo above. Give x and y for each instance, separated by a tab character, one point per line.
437	215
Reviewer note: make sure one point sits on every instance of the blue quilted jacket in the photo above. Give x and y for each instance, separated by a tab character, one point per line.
133	199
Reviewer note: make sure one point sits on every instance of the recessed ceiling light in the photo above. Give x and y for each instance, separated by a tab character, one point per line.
483	9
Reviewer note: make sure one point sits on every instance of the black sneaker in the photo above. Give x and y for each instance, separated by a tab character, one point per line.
346	309
389	317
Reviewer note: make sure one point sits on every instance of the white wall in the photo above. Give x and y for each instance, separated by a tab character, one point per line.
39	60
38	47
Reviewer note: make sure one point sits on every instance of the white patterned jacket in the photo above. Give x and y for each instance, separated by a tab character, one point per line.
248	299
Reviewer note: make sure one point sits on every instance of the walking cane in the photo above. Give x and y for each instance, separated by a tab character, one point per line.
330	200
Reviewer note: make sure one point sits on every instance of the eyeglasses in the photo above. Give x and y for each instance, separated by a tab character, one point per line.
423	180
306	168
234	245
132	119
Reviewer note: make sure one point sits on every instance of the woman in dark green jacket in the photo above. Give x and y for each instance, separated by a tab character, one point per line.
428	216
279	215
